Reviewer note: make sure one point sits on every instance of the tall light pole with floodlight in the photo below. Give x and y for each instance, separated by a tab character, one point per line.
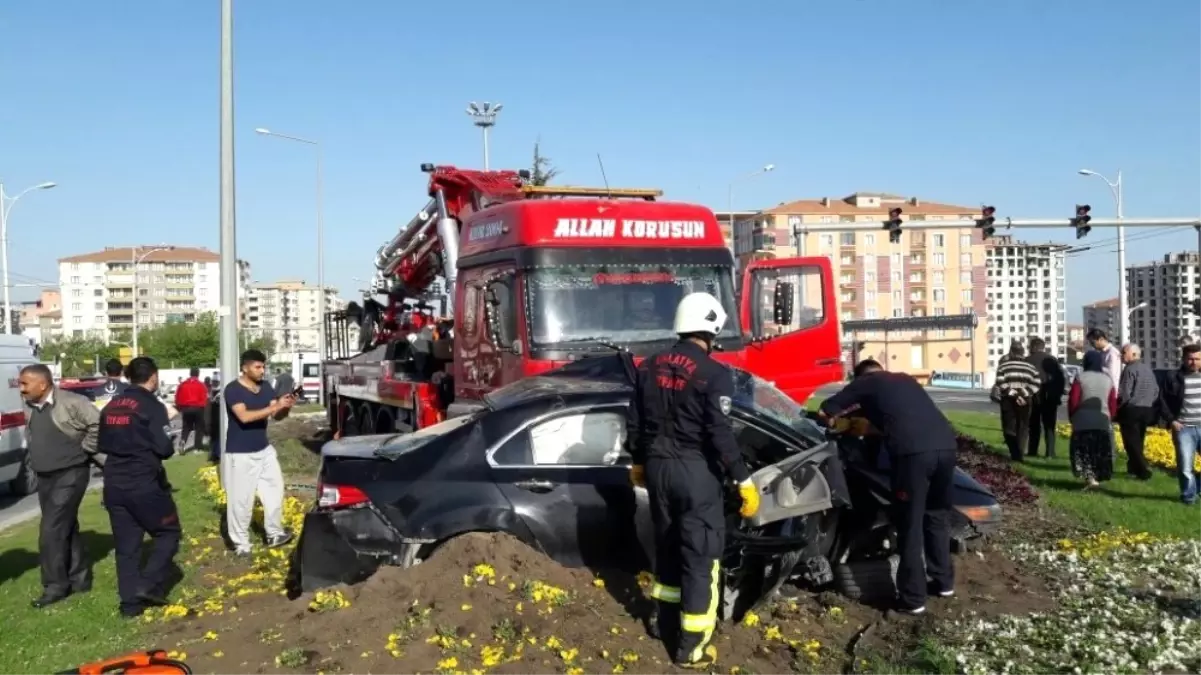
1115	187
6	205
484	117
321	337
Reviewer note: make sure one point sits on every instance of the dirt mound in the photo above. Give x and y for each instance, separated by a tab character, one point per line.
488	603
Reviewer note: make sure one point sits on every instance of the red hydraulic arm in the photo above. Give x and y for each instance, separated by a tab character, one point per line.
429	244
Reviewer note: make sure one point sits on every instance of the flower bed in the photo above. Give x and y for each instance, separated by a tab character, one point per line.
1127	604
994	472
1158	448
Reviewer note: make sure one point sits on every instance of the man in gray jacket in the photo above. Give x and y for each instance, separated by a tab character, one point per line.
1137	395
61	430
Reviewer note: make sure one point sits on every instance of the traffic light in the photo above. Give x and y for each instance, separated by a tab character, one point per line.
985	222
1080	222
893	225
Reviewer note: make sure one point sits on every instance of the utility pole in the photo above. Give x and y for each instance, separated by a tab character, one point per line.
1115	187
6	205
229	256
484	117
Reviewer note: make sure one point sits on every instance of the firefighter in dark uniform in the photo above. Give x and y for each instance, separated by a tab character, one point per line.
133	433
682	444
921	445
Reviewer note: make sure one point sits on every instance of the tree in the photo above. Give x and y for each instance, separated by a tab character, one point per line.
260	341
183	345
542	172
79	355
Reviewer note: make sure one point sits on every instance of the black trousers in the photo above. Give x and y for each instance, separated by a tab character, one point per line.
1133	423
1015	426
193	421
1043	416
687	510
148	510
922	487
65	563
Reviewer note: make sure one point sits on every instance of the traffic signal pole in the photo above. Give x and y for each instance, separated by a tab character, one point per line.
1001	224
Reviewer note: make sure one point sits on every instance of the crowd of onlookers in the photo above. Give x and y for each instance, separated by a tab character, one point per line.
1114	387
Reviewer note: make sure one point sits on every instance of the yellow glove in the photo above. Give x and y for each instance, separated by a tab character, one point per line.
638	475
750	498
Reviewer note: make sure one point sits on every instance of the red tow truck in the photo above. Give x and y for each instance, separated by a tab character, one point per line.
545	275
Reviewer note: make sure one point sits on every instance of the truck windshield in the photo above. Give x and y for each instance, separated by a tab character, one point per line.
577	305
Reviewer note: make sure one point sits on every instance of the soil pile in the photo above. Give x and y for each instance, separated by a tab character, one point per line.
487	603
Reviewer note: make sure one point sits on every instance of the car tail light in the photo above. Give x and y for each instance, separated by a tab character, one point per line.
339	496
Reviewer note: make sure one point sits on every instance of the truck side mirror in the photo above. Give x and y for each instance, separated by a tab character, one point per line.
782	303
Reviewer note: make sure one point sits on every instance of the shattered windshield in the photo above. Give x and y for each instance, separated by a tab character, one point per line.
575	305
764	399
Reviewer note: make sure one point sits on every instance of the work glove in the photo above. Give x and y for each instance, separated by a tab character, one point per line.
750	498
638	475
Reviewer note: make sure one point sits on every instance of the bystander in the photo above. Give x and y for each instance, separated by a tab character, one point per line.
1016	384
1137	396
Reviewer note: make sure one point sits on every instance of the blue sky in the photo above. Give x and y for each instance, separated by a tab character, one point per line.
967	102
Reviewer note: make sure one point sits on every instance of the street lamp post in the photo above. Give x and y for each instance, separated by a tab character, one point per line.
6	205
320	188
484	117
1115	186
730	196
137	260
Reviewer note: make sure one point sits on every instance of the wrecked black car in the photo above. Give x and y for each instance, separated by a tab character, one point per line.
544	462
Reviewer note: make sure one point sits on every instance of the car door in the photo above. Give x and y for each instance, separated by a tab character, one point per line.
569	482
790	315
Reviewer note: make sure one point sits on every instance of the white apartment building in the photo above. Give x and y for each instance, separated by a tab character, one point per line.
1103	315
1167	288
1026	296
103	294
287	311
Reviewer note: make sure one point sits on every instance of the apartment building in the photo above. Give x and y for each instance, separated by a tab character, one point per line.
103	293
32	312
1161	294
726	220
288	312
1026	296
928	273
1102	314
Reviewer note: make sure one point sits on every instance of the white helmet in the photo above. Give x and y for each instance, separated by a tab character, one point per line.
699	313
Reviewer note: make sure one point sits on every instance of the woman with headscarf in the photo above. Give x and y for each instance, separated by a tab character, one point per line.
1092	405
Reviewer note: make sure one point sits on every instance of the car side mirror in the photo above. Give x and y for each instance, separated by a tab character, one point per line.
782	303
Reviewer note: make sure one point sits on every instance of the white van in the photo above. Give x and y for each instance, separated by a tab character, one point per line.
15	354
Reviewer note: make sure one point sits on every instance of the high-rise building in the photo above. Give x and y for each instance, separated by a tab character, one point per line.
1026	294
101	292
1161	296
1102	314
287	311
928	273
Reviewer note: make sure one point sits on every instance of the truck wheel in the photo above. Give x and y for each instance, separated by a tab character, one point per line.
331	413
366	421
26	482
385	421
868	581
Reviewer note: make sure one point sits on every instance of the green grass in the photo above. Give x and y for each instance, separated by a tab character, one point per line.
1152	506
307	408
85	627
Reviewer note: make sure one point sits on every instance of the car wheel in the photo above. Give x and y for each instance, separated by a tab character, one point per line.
868	581
26	482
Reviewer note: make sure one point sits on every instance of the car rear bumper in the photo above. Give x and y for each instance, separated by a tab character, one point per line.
344	547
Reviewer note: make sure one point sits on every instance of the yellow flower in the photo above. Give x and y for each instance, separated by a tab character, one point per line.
629	656
575	670
772	633
211	635
568	655
599	583
750	620
492	655
466	607
552	642
448	663
218	654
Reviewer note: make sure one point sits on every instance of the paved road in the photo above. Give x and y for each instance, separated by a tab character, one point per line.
953	399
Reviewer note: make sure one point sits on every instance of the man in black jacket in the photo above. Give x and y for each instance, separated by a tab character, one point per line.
921	446
1180	408
1044	408
133	433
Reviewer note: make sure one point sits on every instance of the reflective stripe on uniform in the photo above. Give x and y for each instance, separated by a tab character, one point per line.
665	593
703	623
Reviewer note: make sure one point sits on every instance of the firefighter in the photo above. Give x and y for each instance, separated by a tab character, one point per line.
133	433
682	444
921	452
